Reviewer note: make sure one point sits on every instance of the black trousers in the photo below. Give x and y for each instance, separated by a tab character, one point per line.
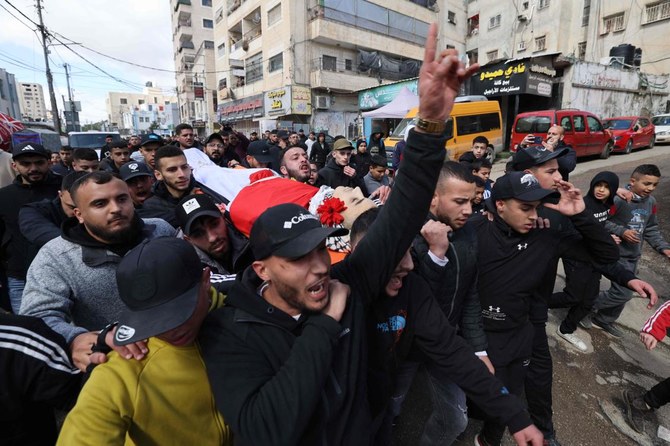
659	395
538	382
582	284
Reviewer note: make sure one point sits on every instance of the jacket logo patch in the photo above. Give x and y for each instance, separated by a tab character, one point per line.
124	332
494	313
521	247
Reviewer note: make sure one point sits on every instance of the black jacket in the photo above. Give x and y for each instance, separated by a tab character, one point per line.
163	205
37	376
40	222
333	175
319	153
455	284
362	162
12	197
376	146
599	209
413	320
286	382
108	165
567	162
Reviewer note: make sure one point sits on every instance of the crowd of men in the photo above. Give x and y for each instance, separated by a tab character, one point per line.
285	290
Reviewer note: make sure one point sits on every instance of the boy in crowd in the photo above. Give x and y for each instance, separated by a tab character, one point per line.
85	159
632	222
167	295
478	151
376	176
482	168
119	154
478	202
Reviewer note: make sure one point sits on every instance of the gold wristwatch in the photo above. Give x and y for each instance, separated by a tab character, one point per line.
428	126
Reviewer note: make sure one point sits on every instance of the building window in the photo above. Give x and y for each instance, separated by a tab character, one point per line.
254	68
522	46
613	23
581	50
276	63
123	101
347	64
223	83
218	15
140	101
274	15
329	63
492	55
525	5
221	50
207	3
540	43
451	17
543	4
207	23
494	21
586	12
208	44
657	11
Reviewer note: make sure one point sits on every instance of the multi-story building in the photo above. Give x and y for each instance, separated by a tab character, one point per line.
597	55
193	45
135	113
31	99
9	101
300	63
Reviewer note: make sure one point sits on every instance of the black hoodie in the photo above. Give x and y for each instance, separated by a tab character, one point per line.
602	210
12	197
286	382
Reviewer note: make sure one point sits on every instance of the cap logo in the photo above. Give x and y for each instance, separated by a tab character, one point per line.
28	148
133	166
191	205
529	180
124	333
297	219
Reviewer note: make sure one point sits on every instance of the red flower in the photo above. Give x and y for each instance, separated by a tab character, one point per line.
329	211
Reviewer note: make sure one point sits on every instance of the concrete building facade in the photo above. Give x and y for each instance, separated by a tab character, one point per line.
300	63
9	100
193	45
136	113
31	99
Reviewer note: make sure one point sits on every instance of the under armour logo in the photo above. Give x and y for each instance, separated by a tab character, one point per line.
492	309
521	247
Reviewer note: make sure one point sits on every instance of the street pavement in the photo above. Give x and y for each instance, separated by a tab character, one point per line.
588	409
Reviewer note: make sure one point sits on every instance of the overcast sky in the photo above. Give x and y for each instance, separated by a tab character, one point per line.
136	31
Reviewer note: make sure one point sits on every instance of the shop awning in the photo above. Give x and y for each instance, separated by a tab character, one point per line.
397	108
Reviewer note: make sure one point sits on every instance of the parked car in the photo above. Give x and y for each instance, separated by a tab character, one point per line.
662	124
583	130
630	132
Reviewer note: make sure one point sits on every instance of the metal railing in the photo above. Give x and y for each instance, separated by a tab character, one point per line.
657	12
340	66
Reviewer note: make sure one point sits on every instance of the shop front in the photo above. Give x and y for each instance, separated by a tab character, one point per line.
289	107
519	85
241	114
377	97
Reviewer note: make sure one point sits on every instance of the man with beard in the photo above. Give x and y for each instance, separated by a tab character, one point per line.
294	164
218	244
214	148
139	179
71	283
174	182
34	182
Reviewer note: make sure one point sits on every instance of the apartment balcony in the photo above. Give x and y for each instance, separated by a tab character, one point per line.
333	74
248	45
332	27
183	4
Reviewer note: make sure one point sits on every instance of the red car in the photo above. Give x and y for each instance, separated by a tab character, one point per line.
631	132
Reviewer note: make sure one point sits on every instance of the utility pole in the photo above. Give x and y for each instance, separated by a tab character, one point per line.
50	80
74	115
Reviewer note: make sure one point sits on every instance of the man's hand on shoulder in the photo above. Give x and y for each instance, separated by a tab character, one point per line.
137	350
81	350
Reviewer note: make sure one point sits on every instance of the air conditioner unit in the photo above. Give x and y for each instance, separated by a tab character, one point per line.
323	102
522	17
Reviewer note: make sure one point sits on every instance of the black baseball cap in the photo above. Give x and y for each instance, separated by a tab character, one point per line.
522	186
261	151
288	230
534	156
159	283
215	135
134	169
192	207
151	137
282	134
29	148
